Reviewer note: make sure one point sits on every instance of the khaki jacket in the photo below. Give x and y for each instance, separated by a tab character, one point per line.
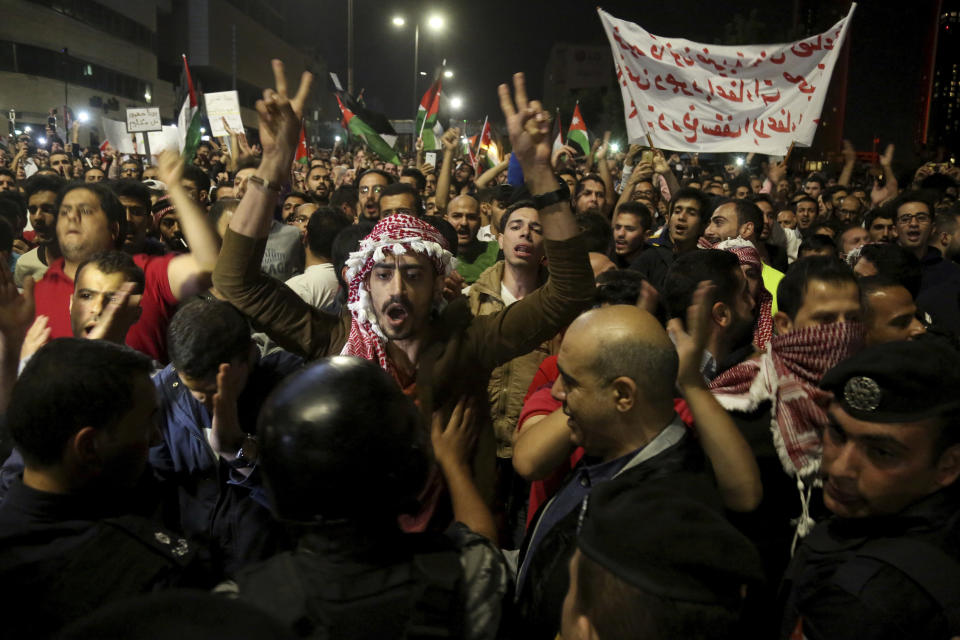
509	381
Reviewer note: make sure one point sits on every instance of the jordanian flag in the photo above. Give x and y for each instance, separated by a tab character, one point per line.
302	156
361	129
188	123
577	134
485	143
427	126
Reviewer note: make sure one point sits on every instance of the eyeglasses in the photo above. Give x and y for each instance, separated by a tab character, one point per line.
297	219
399	210
907	218
376	189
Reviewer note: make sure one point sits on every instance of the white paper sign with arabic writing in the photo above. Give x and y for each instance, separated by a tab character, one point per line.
690	96
145	119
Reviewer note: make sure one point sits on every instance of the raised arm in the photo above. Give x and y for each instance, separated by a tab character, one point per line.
734	465
491	174
603	169
190	273
450	140
849	162
16	314
293	323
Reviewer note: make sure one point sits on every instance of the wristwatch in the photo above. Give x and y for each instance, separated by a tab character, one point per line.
263	184
248	454
552	197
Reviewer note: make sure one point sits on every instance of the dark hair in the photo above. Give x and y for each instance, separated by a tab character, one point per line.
114	262
322	229
247	162
803	198
380	172
198	177
618	286
872	284
346	242
761	197
344	194
596	231
873	214
688	193
6	235
205	333
402	188
114	211
793	287
69	384
297	194
620	611
130	188
89	169
690	269
815	177
817	242
446	229
636	208
417	175
519	204
913	195
893	261
945	222
7	172
580	183
13	208
747	211
37	183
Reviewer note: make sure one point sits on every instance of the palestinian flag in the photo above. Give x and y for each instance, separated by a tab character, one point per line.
302	156
356	126
189	121
577	134
427	126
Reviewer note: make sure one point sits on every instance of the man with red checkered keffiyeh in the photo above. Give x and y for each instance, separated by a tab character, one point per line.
438	353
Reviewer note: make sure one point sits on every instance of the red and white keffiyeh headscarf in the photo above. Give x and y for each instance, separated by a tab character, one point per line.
394	235
788	375
747	253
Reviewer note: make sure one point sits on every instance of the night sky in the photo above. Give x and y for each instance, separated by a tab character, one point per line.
485	42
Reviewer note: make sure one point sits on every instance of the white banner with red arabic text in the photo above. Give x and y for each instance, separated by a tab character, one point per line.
690	96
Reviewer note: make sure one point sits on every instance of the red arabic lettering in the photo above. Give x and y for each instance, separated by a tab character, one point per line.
800	81
626	46
807	48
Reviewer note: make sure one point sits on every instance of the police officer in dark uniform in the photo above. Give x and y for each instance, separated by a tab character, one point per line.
887	565
82	416
344	454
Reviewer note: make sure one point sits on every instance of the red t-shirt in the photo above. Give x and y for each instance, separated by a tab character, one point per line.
148	335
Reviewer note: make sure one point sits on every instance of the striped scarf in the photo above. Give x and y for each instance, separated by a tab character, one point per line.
394	235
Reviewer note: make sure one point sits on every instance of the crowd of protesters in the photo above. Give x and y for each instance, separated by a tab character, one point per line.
611	395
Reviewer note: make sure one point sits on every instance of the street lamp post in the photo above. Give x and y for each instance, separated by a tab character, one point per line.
435	22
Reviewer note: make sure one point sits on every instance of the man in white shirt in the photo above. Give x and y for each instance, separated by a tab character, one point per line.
318	284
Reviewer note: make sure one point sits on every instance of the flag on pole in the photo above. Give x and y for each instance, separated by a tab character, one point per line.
188	123
557	132
489	159
427	126
361	129
302	157
577	134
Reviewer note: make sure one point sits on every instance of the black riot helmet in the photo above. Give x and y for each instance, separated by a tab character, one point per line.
339	441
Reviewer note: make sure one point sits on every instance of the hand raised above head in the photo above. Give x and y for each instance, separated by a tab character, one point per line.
280	116
528	125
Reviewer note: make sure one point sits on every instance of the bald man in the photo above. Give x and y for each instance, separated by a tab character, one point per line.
617	373
473	255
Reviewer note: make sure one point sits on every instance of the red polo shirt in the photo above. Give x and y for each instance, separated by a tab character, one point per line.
148	335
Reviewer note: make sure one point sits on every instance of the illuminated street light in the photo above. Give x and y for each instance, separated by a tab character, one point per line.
448	73
614	147
739	161
398	21
336	138
42	142
436	22
456	102
28	128
83	116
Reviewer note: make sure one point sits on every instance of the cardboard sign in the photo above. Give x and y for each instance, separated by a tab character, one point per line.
144	119
114	133
223	104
